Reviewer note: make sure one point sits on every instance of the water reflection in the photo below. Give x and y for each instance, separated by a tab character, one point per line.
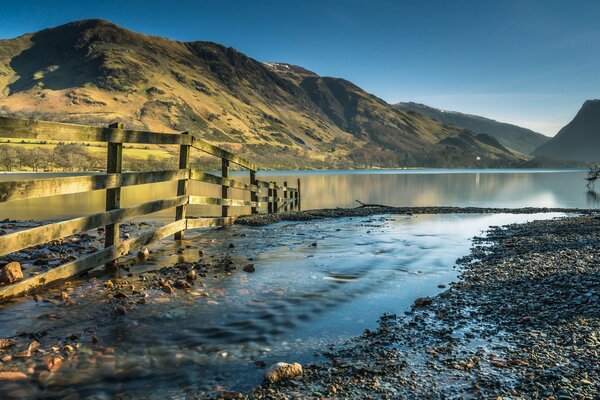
593	198
330	189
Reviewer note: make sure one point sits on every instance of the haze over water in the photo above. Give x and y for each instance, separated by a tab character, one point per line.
330	189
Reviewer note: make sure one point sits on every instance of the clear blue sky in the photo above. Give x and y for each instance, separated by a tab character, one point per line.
532	63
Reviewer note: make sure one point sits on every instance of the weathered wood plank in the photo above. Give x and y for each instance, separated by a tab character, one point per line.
91	261
225	188
197	223
270	199
298	194
32	237
33	188
253	194
216	151
217	201
32	129
205	177
114	165
274	186
182	185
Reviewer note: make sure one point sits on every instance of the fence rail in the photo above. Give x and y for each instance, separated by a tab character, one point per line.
112	181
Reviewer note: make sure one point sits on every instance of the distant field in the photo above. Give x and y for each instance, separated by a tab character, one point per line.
137	152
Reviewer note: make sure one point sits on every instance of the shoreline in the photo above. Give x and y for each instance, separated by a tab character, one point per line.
364	211
523	321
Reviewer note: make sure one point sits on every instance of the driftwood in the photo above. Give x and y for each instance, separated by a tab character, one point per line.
365	205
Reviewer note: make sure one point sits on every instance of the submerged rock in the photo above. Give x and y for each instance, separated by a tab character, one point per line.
423	302
282	371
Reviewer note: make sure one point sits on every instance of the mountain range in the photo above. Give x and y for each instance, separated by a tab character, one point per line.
278	115
515	137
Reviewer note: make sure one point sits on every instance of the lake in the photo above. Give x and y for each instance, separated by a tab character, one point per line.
330	189
300	299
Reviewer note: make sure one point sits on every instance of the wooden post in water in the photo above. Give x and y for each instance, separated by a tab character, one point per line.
253	195
114	165
276	194
182	185
298	195
224	189
270	198
285	196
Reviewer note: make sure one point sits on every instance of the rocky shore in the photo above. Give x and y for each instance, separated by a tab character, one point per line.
522	322
367	210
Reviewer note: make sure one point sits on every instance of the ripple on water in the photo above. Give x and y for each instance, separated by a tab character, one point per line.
285	310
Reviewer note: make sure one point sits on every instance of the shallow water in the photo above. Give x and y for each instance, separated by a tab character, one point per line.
301	298
330	189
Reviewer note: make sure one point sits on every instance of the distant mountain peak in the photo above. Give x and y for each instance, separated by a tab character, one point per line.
580	139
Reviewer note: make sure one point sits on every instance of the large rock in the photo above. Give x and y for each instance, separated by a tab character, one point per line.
11	273
283	371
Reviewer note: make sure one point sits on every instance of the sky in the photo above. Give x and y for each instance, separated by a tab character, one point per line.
531	63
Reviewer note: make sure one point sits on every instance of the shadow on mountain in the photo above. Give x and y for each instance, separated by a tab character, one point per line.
57	60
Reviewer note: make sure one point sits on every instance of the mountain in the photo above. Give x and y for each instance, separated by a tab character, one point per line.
579	140
279	115
515	137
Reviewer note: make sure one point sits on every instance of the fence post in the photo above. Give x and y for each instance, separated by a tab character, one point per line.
298	195
275	198
253	195
270	198
224	189
114	164
285	196
182	184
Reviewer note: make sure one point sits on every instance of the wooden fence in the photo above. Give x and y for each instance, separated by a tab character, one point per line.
115	136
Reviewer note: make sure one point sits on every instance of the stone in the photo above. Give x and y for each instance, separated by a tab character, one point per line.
144	253
181	284
54	364
282	371
423	302
191	276
12	376
249	268
168	289
6	343
11	273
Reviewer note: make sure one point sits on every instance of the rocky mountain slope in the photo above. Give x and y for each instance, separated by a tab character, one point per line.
93	71
515	137
579	140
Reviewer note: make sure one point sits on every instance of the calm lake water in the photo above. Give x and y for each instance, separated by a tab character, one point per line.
300	299
330	189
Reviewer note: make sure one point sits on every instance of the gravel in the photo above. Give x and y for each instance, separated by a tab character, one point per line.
267	219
